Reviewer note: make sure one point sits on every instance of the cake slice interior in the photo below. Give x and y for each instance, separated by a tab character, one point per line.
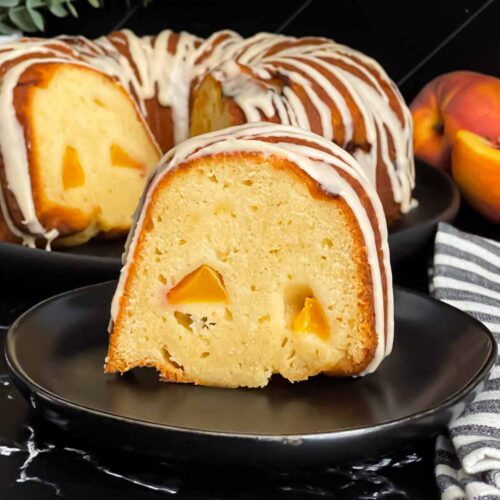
244	268
90	153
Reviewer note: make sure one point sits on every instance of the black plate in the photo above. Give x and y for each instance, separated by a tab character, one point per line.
438	201
101	260
55	354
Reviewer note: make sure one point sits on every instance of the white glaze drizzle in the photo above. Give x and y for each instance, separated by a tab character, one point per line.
12	140
151	71
369	96
320	166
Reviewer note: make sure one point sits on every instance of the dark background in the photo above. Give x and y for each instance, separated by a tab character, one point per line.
415	41
399	34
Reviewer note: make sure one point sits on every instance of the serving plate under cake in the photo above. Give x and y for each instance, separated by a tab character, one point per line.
55	353
100	260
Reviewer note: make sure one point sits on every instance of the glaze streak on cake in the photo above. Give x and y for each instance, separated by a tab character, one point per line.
183	85
41	80
327	88
147	330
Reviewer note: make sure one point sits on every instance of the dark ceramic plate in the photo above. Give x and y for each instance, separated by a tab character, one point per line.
100	260
438	201
55	353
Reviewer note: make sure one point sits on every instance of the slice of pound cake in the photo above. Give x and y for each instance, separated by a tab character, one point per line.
258	250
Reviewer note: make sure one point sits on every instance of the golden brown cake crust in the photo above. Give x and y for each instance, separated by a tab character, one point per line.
114	362
67	221
210	88
282	70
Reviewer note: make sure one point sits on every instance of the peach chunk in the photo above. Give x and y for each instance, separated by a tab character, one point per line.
73	174
476	170
202	285
312	319
120	158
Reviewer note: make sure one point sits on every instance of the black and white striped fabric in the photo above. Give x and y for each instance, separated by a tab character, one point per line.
466	274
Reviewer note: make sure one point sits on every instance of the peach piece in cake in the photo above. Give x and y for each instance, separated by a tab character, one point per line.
202	285
312	319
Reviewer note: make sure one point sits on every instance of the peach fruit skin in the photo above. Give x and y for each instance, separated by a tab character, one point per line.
449	103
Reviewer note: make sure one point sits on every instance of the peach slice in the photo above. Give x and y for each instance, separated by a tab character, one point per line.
202	285
476	170
73	174
312	319
120	158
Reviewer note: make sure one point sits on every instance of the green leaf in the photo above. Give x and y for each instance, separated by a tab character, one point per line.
26	15
9	3
36	4
22	19
57	8
71	8
7	29
36	17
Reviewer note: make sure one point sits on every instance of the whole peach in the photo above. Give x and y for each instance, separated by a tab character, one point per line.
452	102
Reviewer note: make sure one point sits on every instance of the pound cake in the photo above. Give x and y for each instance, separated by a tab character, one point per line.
84	121
260	249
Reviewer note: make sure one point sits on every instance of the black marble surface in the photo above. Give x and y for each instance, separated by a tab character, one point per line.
39	463
415	41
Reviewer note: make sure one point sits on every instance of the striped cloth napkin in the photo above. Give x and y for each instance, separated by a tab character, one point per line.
466	274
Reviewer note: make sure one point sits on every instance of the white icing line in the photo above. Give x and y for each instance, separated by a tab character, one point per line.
368	95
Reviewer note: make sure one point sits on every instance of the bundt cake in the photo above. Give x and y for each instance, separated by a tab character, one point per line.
260	249
84	121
